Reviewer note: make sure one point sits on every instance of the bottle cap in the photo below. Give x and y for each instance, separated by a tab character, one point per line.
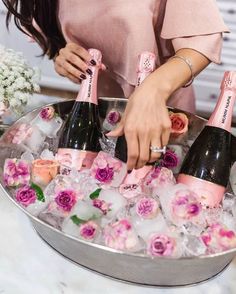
229	80
96	55
147	61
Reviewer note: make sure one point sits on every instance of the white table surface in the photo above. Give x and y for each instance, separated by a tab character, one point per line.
29	266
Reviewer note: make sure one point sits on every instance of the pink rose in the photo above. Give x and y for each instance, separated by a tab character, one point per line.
113	117
179	123
88	230
160	177
16	172
47	113
18	134
219	238
147	207
102	205
161	245
66	199
120	235
26	196
105	167
44	171
170	159
185	205
104	175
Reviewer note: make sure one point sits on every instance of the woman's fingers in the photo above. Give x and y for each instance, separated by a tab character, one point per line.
61	71
73	62
70	69
144	152
73	59
81	52
155	144
143	145
117	132
132	148
165	136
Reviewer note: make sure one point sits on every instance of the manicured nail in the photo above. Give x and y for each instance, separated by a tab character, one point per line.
93	62
89	71
83	76
129	171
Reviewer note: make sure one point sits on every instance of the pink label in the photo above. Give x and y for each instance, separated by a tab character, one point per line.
88	89
137	175
73	158
146	66
222	114
209	194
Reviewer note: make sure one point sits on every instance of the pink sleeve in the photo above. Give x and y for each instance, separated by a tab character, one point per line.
198	25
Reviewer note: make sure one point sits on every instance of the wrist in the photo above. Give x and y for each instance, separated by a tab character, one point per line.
160	86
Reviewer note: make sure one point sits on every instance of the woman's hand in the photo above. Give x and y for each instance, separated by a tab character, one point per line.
145	123
72	62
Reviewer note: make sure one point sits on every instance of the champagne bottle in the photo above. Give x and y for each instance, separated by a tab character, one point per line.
206	166
146	65
79	140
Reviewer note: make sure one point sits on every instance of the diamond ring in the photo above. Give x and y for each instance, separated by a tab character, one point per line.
158	150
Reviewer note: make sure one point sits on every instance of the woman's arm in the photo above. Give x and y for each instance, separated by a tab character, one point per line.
175	73
146	121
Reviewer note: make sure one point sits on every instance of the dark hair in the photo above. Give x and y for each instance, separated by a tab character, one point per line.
44	12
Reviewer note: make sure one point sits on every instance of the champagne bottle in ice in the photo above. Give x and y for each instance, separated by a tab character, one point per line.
206	166
79	139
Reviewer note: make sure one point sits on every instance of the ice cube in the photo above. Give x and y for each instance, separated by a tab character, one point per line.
193	246
193	229
116	201
49	127
84	183
86	211
37	207
89	231
122	236
180	205
228	220
35	141
53	220
146	227
212	215
108	171
229	203
47	154
27	156
108	145
70	228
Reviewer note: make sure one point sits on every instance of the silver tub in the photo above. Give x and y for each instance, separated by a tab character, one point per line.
133	268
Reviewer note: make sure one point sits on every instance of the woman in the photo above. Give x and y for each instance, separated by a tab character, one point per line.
189	30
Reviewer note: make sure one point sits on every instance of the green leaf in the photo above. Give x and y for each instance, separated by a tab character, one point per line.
95	194
39	192
77	220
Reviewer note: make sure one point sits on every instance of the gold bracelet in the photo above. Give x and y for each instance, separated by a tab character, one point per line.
190	66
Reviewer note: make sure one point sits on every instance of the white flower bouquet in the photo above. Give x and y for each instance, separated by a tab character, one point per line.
18	81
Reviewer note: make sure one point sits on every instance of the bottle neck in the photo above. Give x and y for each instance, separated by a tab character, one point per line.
141	77
88	88
223	112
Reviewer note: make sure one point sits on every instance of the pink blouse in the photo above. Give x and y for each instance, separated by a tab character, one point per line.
122	29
